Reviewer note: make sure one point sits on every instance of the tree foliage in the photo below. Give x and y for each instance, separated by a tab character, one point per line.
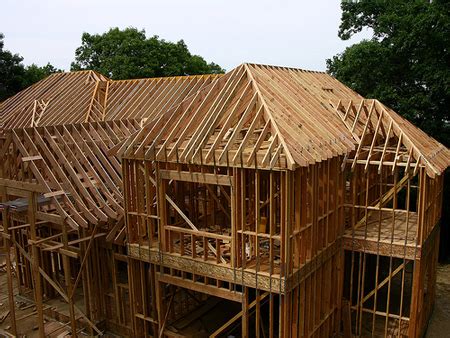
14	76
405	64
11	72
128	54
35	73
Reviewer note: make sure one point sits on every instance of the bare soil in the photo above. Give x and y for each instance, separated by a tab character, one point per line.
439	325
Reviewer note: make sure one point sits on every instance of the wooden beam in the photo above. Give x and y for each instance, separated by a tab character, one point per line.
204	178
201	287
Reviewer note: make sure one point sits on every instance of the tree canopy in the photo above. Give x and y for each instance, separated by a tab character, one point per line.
128	54
11	72
405	64
14	76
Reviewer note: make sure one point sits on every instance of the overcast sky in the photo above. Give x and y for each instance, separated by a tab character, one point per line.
292	33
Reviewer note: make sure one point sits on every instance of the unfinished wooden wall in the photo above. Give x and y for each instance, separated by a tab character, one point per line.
269	239
313	306
77	266
391	240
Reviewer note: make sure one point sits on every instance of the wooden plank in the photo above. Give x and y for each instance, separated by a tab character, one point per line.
31	158
54	193
11	300
190	176
201	287
22	185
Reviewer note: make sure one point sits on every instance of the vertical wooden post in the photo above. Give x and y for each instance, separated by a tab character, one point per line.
133	302
12	308
257	251
234	249
67	277
35	259
87	286
160	185
347	319
245	314
68	282
159	303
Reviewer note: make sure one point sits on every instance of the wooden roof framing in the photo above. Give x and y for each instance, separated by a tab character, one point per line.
71	163
144	98
254	116
87	96
59	98
275	118
378	129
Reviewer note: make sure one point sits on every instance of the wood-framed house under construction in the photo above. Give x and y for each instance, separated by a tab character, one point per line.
267	202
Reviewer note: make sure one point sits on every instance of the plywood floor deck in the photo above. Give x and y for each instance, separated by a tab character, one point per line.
385	233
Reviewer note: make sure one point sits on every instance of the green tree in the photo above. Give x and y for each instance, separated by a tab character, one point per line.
35	73
14	76
405	64
11	72
128	54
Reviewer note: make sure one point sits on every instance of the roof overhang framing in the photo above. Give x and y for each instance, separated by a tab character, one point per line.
383	138
71	163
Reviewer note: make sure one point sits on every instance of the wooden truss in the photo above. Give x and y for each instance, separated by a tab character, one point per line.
384	138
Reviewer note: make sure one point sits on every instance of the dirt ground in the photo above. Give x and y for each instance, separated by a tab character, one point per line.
439	325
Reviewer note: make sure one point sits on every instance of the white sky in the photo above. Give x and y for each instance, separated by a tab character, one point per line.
300	33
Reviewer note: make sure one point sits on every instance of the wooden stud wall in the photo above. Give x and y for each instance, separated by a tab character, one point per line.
209	217
391	253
